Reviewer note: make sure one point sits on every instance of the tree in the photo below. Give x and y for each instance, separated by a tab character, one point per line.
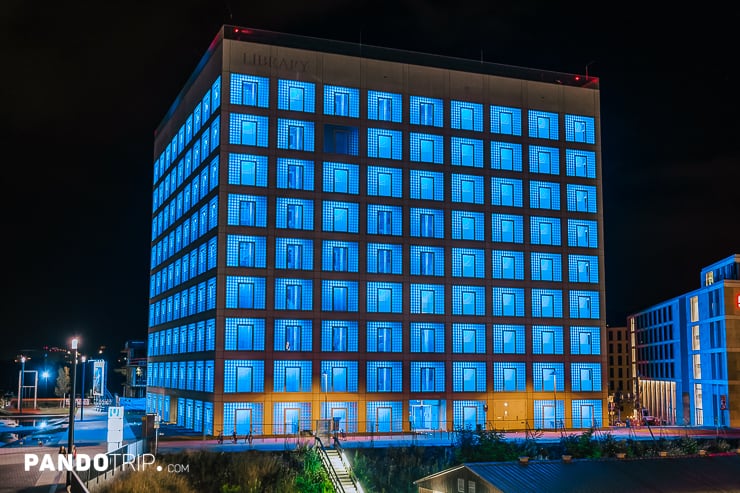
63	381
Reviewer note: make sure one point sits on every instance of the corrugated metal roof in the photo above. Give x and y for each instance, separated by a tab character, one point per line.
654	475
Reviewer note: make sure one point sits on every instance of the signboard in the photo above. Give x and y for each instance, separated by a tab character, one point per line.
115	426
98	385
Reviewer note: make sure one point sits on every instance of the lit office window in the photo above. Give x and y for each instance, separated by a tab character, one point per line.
506	120
580	163
425	111
580	128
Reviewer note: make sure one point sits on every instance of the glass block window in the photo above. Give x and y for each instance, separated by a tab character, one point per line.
546	267
292	335
427	223
291	417
384	376
508	302
507	264
543	379
339	335
580	163
507	228
216	94
506	192
468	262
294	95
339	256
295	135
384	220
545	160
384	258
583	268
295	174
547	303
426	111
543	124
244	376
249	90
292	376
549	413
469	338
547	339
467	226
585	340
294	213
384	297
580	128
506	156
244	334
386	416
544	195
465	115
427	298
384	182
581	198
293	253
341	101
248	170
384	106
427	376
339	139
340	217
587	413
249	130
584	304
426	185
293	294
466	152
582	233
384	337
341	178
469	300
427	260
427	337
467	189
426	148
544	230
506	120
468	376
339	296
585	377
509	377
384	143
245	292
246	251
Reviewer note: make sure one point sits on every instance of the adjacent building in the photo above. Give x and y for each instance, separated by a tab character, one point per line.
686	352
621	383
392	240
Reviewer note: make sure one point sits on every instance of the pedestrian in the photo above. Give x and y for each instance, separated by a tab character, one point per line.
62	450
250	438
233	436
220	437
74	452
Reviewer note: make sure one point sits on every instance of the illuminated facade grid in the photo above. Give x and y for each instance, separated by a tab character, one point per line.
397	242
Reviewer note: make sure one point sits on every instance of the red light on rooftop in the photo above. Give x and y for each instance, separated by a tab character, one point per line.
578	77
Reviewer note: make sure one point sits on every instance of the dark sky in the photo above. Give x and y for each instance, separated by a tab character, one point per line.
85	84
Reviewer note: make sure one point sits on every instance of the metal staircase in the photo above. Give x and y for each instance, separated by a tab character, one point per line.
339	471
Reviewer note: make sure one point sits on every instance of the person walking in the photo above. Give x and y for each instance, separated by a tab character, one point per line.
233	436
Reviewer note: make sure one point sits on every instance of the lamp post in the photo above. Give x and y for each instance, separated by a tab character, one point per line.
71	428
45	376
325	381
20	384
83	360
555	398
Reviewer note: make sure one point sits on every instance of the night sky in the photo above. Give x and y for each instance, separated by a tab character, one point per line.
85	84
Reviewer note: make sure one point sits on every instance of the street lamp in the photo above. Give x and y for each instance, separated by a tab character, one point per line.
555	398
45	376
325	382
83	360
20	384
71	428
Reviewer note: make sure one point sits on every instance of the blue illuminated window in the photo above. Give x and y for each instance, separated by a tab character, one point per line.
427	223
427	338
547	303
384	106
582	233
384	376
468	262
427	299
426	185
468	376
249	90
338	335
467	189
466	116
245	251
384	182
248	130
583	268
469	300
294	213
341	140
293	253
507	228
581	198
507	264
384	143
585	377
548	377
580	163
506	192
466	152
296	96
427	260
383	258
546	267
544	230
508	339
339	256
384	297
384	220
295	174
384	337
509	377
341	178
584	304
469	338
293	294
426	148
543	125
295	135
506	120
425	111
544	195
585	340
580	129
340	217
544	160
247	210
508	302
467	225
341	101
242	292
